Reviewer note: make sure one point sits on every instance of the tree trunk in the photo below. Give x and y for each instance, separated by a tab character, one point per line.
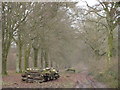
26	58
5	50
111	27
35	56
46	58
4	54
19	60
4	64
51	63
110	37
110	46
42	57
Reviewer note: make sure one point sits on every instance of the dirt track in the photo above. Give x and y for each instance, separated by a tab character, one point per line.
85	81
67	80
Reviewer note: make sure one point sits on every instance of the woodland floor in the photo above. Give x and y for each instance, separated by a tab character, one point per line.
66	80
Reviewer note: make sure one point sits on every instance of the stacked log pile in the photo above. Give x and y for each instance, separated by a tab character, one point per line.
35	75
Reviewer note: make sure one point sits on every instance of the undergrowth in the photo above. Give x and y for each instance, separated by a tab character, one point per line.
108	76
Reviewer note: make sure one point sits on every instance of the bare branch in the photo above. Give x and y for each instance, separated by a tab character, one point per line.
94	10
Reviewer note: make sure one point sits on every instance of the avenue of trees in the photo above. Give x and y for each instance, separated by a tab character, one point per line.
58	34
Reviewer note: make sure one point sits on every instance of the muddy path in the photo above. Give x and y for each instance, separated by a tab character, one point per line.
86	81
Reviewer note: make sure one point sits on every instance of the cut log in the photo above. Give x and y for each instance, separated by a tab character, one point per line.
37	76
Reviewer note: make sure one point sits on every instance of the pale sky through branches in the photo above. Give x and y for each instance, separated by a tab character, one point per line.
90	2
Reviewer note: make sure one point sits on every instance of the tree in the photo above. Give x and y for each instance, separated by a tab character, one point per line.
22	10
13	17
7	31
107	11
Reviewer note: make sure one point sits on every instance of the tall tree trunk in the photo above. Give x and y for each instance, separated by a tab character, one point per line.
51	63
42	57
4	56
5	50
111	27
35	56
4	64
110	46
110	38
46	58
19	60
26	57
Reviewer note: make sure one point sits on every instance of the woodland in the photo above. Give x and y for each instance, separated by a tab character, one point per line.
61	35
